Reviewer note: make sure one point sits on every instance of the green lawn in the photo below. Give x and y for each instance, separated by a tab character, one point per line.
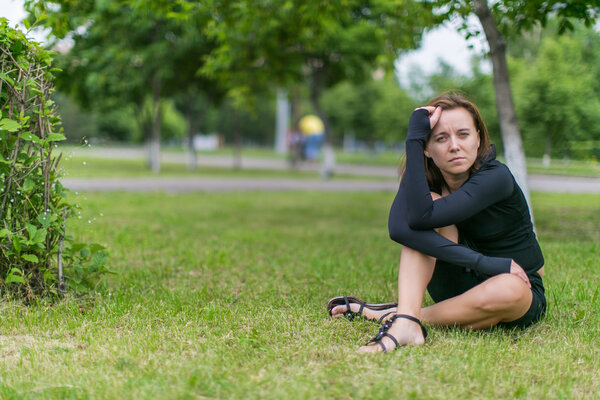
91	167
223	296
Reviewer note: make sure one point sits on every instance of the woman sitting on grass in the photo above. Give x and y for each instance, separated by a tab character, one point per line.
466	233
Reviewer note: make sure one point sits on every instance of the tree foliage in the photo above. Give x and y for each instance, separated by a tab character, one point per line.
317	42
555	81
128	53
374	110
556	94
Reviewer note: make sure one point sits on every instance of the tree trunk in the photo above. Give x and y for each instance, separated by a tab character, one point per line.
194	120
316	88
547	151
237	140
282	122
296	136
507	117
156	122
192	158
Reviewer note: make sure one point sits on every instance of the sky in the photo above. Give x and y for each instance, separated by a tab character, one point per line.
442	43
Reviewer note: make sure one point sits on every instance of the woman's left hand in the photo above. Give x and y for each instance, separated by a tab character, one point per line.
516	269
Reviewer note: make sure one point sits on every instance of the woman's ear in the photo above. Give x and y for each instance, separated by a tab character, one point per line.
426	153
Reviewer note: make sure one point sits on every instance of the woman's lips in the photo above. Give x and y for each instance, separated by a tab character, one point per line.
457	159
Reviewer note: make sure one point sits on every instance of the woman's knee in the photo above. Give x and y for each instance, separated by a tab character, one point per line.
504	292
450	232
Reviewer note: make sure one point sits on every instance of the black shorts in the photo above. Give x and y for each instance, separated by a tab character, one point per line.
450	280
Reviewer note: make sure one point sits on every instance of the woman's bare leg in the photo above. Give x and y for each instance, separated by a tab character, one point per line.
415	272
501	298
504	297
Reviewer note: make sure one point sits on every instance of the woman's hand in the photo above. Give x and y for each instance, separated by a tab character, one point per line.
434	114
421	122
517	270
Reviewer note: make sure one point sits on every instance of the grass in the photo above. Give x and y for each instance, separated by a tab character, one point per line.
91	167
222	296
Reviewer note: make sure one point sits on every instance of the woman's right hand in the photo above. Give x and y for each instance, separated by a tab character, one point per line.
434	114
422	121
517	270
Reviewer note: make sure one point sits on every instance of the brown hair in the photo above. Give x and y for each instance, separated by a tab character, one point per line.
450	101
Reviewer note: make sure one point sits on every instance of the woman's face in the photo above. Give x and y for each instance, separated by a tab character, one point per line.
453	143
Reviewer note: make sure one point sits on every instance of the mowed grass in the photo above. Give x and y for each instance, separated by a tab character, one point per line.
92	167
223	296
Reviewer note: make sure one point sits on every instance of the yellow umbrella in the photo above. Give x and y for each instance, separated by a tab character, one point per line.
311	125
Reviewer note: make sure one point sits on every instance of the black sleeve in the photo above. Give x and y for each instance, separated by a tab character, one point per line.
484	188
431	243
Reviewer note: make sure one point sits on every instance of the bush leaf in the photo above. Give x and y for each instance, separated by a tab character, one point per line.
30	257
55	137
9	125
15	275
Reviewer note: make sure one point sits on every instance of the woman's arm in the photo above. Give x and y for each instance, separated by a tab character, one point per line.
431	243
483	189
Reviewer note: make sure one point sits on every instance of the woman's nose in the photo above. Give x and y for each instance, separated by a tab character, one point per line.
453	143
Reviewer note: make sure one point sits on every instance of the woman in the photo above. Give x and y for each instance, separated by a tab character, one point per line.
466	233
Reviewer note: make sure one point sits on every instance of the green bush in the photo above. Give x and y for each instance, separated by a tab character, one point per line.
36	256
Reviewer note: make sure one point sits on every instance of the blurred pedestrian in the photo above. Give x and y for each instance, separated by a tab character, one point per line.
313	130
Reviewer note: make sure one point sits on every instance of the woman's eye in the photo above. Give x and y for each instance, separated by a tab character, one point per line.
440	139
464	133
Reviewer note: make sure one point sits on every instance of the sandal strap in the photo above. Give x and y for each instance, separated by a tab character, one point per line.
410	318
349	313
362	307
384	315
383	331
377	339
381	334
347	304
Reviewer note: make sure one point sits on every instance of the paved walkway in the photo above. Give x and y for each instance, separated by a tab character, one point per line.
541	183
538	183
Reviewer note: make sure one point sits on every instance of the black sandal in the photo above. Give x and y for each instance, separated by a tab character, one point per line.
383	331
341	300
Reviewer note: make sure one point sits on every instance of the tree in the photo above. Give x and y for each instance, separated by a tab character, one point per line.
160	54
556	97
503	19
321	43
371	110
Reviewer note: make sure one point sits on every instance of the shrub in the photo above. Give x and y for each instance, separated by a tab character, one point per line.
36	256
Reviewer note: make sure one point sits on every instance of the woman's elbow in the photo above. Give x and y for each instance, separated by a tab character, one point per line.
399	234
417	224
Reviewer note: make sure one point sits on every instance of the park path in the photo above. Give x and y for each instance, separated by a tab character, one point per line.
540	183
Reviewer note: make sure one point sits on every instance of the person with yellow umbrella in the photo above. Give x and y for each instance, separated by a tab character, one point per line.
313	130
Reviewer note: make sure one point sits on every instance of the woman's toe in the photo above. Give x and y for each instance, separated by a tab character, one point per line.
338	311
369	349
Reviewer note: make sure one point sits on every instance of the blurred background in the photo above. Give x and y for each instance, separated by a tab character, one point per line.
214	77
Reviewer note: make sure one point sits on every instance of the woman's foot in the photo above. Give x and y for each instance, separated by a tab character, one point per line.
404	330
338	312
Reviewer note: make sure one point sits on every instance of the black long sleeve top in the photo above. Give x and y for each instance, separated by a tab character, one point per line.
489	210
